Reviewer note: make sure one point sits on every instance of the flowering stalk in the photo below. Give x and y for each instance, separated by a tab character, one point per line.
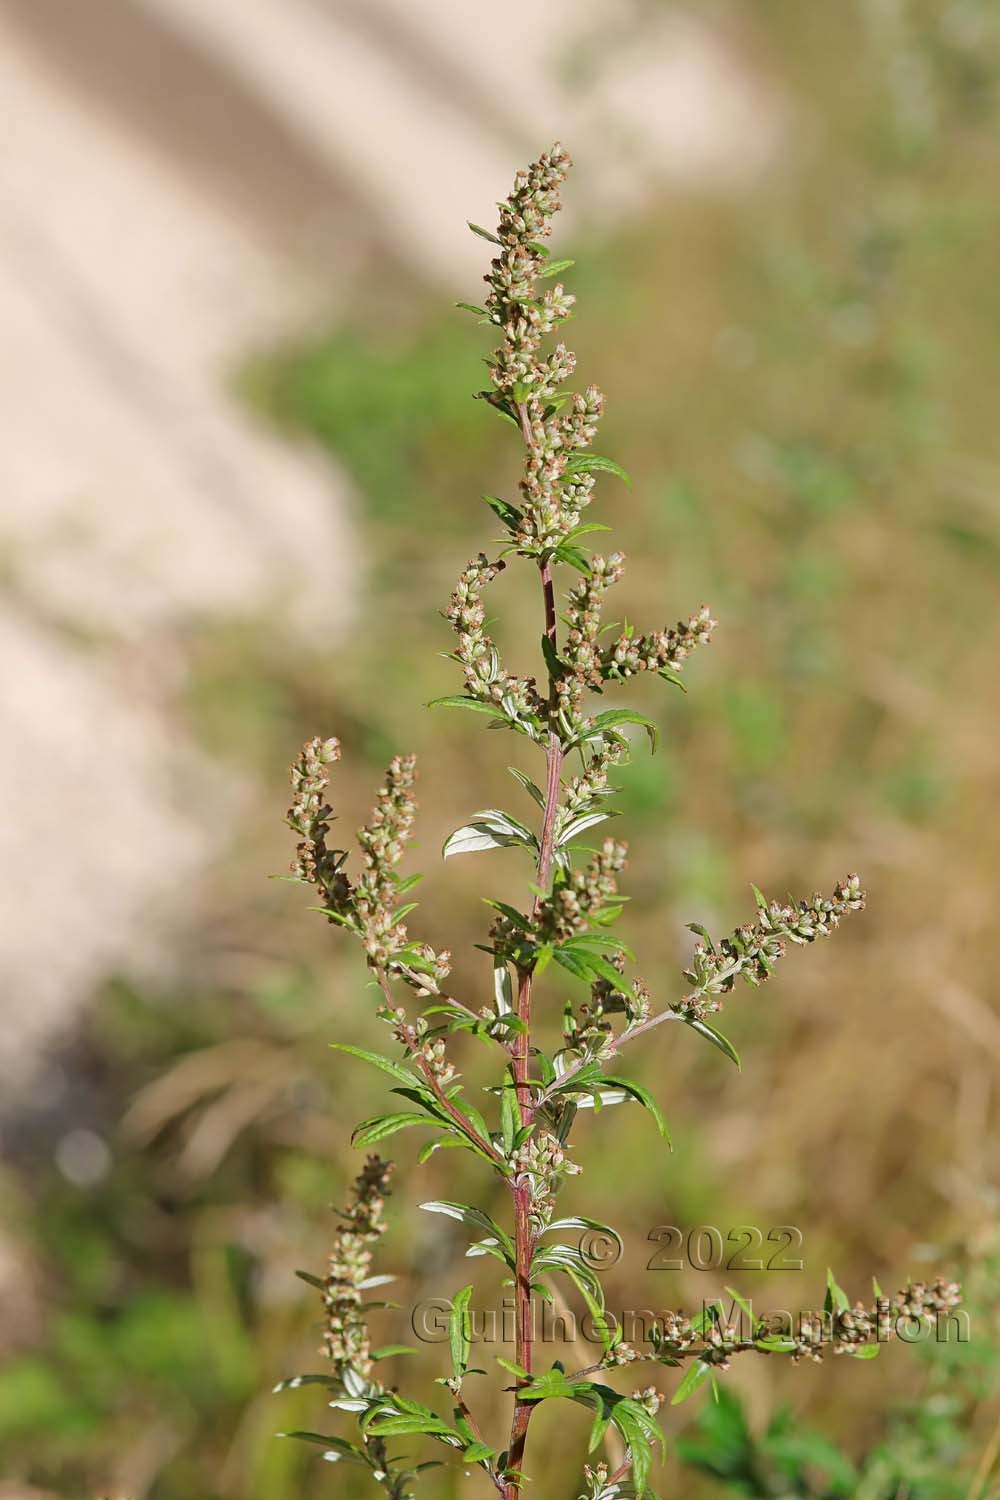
566	928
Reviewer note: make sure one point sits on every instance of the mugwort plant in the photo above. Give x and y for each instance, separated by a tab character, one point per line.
565	930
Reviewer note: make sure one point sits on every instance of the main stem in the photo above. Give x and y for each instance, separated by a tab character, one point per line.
524	1236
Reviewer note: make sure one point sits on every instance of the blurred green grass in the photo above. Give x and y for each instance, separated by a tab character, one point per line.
802	382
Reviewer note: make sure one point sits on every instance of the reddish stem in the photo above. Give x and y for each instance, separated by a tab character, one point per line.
524	1236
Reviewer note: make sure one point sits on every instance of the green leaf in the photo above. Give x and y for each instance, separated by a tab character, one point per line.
585	529
510	1117
741	1303
311	1280
292	1382
380	1127
613	717
426	1152
533	791
460	1332
335	916
555	268
509	514
510	912
459	700
603	969
392	1351
674	678
594	463
694	1377
473	1218
647	1101
386	1064
543	958
864	1351
404	1425
492	828
582	822
478	1453
574	556
346	1452
710	1034
472	308
773	1343
503	990
551	657
484	234
836	1298
576	963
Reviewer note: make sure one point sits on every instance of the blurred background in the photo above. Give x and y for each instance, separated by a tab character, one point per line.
242	470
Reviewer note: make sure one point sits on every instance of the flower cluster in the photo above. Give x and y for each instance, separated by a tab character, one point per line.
664	651
589	1030
915	1307
578	897
542	1160
585	790
845	1329
309	816
751	952
345	1338
587	665
555	488
421	1040
581	896
583	617
367	907
485	679
600	1486
649	1398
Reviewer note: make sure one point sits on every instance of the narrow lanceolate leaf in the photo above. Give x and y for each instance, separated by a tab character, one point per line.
694	1376
386	1064
555	268
478	1453
595	463
406	1425
490	829
292	1382
473	1218
311	1280
647	1101
460	1332
582	822
459	700
614	718
346	1452
715	1037
836	1298
503	990
509	514
510	1117
578	1221
534	792
484	234
380	1127
575	556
